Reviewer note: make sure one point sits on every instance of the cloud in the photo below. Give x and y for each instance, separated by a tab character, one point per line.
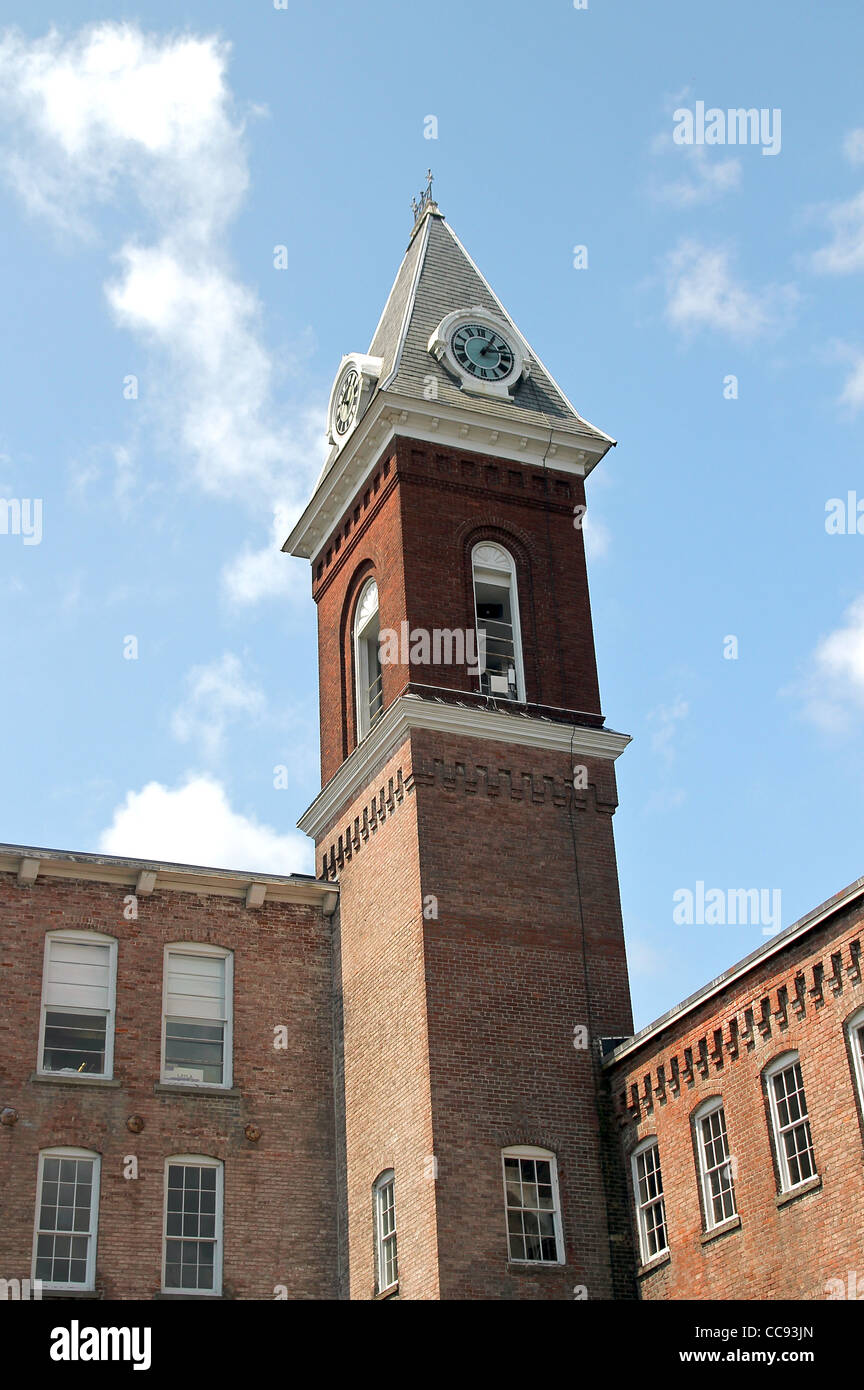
194	824
216	696
707	176
666	719
702	293
597	536
852	394
844	254
147	123
833	687
853	146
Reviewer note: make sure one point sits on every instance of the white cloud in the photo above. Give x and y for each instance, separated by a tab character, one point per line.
853	146
702	293
707	177
147	122
194	824
665	719
852	394
833	688
597	536
216	695
845	253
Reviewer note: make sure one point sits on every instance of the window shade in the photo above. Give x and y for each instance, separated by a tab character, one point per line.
196	986
78	975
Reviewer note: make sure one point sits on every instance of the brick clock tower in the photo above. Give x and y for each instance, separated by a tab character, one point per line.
466	807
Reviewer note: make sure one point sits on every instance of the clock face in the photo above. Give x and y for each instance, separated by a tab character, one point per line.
482	352
346	402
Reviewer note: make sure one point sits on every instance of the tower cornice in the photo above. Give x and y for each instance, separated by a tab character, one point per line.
452	427
409	711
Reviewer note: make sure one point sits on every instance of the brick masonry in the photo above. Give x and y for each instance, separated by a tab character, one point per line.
278	1191
797	1000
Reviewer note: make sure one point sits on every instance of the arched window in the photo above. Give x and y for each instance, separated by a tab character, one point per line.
367	661
793	1141
192	1238
386	1259
496	608
532	1205
716	1167
67	1210
78	999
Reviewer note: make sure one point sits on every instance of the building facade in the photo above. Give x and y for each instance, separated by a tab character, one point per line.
413	1075
741	1123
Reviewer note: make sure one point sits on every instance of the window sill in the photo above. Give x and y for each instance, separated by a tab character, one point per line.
724	1229
182	1088
812	1185
48	1294
63	1078
657	1263
534	1266
392	1292
189	1297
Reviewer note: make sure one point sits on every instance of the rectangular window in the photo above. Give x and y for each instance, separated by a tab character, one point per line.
385	1232
792	1126
531	1198
78	1004
193	1226
650	1206
717	1183
67	1208
197	1043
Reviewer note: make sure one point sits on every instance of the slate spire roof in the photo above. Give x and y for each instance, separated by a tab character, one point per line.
437	276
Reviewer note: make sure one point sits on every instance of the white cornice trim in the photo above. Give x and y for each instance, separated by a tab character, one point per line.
457	427
143	876
413	712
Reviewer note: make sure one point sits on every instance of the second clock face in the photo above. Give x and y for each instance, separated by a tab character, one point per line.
346	402
482	352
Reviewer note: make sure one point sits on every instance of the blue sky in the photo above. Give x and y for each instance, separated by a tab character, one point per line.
149	171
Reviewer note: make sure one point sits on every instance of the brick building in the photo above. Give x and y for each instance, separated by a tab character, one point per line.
741	1117
387	1081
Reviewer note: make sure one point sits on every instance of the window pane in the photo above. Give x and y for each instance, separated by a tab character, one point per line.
194	1051
74	1042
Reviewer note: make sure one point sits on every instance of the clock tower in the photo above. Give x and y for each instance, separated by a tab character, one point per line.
468	788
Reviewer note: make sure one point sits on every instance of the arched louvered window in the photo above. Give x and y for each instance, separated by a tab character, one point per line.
496	607
367	661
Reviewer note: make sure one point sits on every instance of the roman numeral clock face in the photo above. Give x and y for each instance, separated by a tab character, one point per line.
482	352
346	402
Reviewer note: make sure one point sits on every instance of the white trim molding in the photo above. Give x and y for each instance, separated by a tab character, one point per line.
409	712
457	427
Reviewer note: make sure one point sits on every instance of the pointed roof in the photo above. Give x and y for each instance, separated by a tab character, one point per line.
437	276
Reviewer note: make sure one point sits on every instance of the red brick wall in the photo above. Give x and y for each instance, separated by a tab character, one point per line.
280	1201
459	1028
413	526
786	1251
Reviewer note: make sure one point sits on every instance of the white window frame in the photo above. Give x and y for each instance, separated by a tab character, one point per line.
89	1283
197	1161
647	1256
90	938
385	1182
361	657
197	948
492	570
854	1027
701	1114
784	1062
518	1151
